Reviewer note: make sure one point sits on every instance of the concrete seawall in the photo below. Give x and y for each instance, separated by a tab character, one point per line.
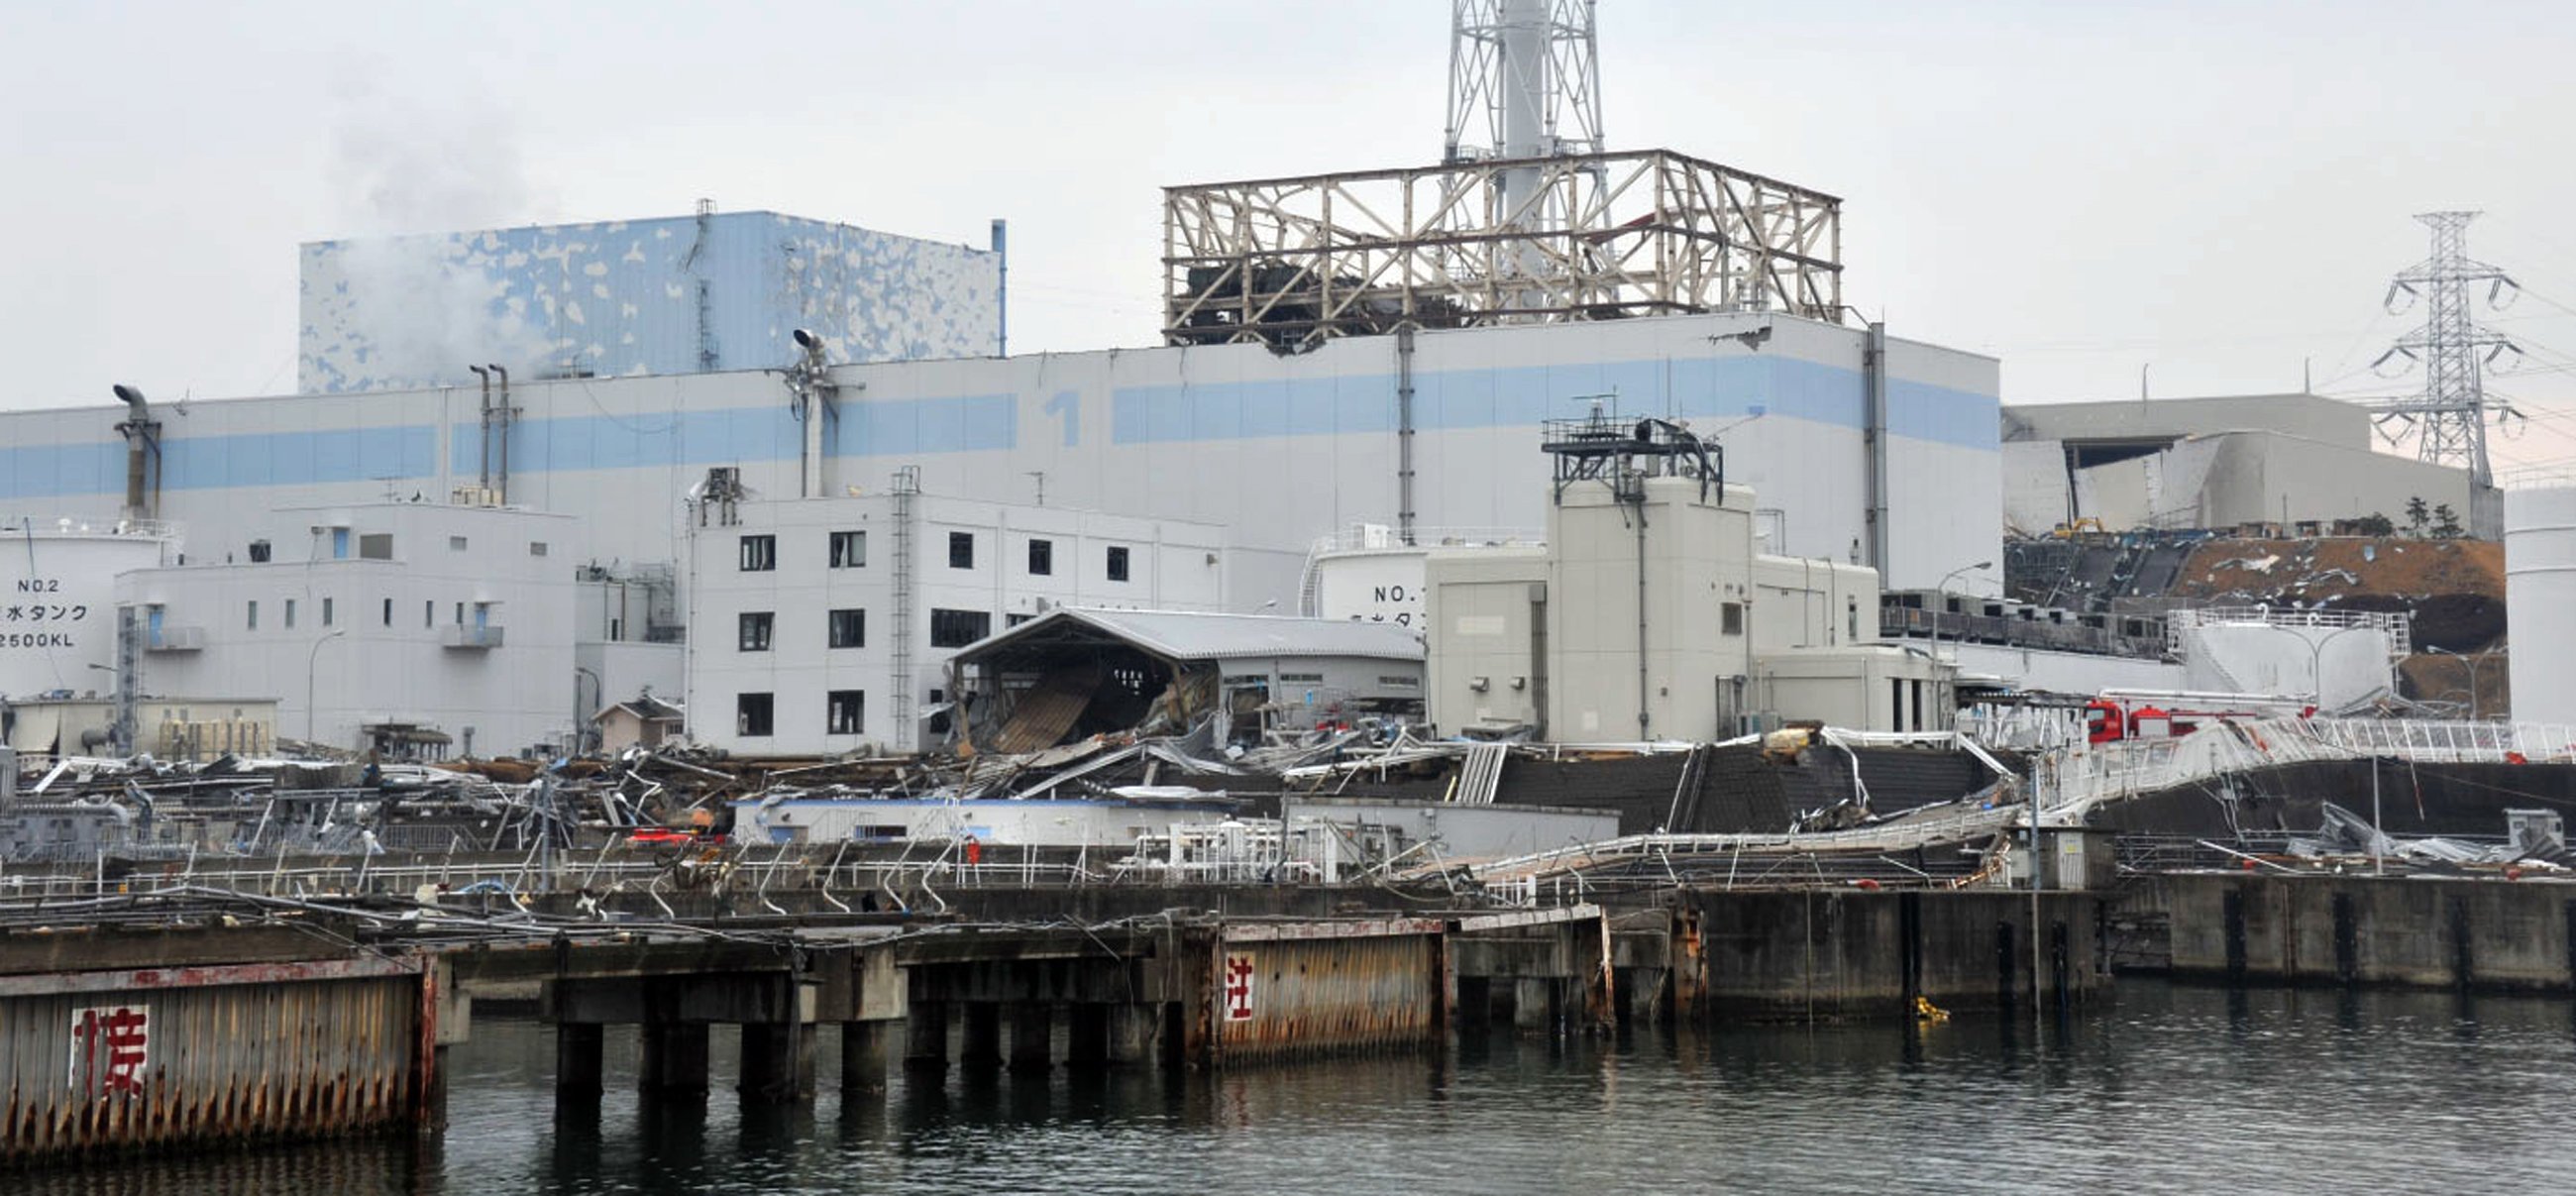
2418	932
1797	954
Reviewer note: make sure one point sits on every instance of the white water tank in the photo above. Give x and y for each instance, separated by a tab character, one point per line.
58	602
2540	601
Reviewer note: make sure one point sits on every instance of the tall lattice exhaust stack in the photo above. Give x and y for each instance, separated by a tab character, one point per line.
1524	74
2449	417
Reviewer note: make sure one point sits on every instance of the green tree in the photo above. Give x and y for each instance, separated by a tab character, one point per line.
2374	524
2416	518
2446	523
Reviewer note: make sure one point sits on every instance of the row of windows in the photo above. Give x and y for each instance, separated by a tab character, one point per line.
848	628
371	546
961	555
844	713
331	614
849	550
759	554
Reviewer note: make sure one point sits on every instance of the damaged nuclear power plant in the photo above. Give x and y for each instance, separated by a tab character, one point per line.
1516	596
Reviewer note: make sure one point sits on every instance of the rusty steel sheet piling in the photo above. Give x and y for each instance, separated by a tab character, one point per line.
1295	990
129	1060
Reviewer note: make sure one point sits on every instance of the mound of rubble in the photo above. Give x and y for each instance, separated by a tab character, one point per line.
2454	588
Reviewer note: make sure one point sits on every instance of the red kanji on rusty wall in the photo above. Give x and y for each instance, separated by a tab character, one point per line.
111	1047
1238	987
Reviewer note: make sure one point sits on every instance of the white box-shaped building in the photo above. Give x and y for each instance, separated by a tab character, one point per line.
825	625
394	626
1651	616
671	295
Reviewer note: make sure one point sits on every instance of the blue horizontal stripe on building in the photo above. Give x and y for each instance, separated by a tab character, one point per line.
1521	396
1503	397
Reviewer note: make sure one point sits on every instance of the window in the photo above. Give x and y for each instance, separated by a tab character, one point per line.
961	550
958	628
846	712
536	548
1730	618
939	721
326	612
755	630
460	614
428	613
849	628
290	614
1016	620
759	554
389	612
259	552
339	544
1117	564
1042	557
1852	608
253	624
849	549
376	546
751	714
456	543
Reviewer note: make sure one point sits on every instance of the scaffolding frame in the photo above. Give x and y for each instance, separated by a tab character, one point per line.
1292	261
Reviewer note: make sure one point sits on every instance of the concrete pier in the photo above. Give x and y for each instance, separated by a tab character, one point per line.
925	1036
674	1058
777	1063
979	1043
863	1056
1032	1037
1209	993
581	1050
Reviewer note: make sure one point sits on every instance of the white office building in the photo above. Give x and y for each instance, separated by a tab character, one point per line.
410	628
821	626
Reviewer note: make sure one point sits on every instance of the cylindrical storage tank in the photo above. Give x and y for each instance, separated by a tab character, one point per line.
58	603
2540	601
1371	585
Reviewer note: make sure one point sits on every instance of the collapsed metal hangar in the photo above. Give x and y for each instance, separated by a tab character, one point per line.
1075	672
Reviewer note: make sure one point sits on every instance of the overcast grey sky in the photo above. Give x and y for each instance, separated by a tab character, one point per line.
2216	190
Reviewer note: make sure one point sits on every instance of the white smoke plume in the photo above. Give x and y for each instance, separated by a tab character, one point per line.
384	311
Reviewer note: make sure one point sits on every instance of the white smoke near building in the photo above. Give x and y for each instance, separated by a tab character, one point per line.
416	307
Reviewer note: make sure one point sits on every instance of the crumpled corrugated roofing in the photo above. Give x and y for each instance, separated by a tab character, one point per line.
1181	635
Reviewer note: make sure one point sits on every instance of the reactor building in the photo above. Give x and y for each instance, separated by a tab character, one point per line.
1363	348
673	295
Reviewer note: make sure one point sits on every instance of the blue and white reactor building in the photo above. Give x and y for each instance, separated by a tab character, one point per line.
673	295
679	370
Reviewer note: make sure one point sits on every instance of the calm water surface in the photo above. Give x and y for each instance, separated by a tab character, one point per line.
2171	1089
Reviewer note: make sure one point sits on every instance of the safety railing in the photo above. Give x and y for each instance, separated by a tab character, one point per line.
2074	782
2180	624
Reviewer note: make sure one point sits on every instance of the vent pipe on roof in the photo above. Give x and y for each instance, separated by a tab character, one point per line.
502	414
142	455
1002	289
483	437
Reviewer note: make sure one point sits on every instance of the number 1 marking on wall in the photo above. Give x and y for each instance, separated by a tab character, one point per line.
1067	406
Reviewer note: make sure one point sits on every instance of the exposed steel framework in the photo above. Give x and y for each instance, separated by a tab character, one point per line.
1292	261
2451	415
